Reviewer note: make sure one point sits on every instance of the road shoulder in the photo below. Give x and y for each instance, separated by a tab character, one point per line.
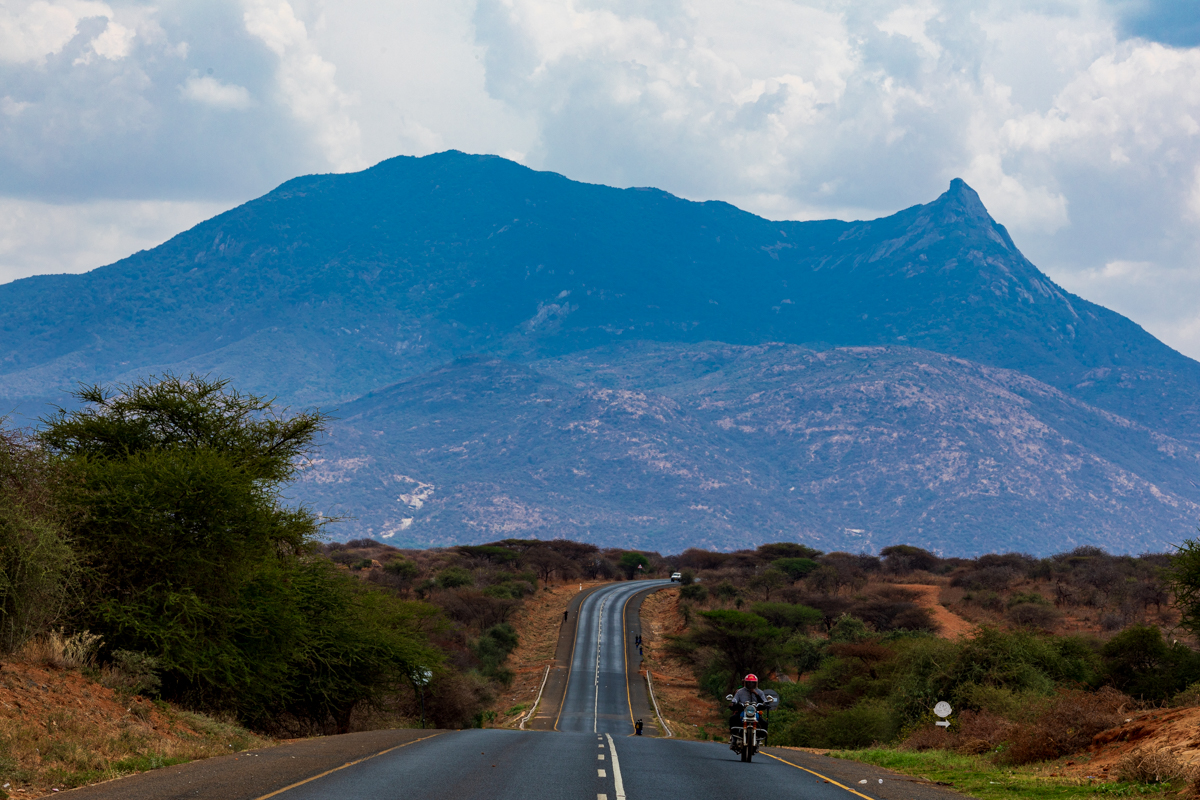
253	774
880	783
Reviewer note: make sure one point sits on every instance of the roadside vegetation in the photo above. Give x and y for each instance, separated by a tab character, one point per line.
1050	657
146	545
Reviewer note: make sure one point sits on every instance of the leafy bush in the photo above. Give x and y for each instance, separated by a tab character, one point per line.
787	615
1139	662
493	648
38	568
454	577
694	592
861	725
849	629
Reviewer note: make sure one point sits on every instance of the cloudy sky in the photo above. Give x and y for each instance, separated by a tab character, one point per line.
1078	121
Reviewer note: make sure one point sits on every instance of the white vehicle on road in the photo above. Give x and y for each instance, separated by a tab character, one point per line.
676	576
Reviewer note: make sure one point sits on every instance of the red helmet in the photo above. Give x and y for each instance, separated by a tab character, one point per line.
751	678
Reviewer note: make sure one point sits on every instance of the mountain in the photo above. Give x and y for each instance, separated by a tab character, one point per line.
669	446
466	276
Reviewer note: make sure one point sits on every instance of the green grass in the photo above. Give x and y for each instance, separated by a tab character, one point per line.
978	777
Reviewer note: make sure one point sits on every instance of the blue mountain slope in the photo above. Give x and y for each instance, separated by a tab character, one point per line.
669	446
342	283
625	366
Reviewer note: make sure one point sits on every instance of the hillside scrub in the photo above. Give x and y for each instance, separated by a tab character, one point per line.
1062	647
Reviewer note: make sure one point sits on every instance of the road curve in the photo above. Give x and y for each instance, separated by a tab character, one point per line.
597	699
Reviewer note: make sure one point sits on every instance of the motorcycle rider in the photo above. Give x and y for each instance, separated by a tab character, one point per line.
749	693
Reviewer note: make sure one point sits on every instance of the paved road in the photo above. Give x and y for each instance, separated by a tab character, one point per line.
592	756
598	694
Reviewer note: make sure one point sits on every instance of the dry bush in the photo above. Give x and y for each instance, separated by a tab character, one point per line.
981	731
56	649
1152	765
975	732
1066	724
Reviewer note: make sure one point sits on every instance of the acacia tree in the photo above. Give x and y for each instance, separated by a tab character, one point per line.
193	557
1183	577
630	562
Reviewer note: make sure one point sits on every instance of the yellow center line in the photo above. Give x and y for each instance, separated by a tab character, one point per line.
343	766
819	775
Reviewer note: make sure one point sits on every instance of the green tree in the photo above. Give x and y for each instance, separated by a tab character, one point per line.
1184	580
193	557
796	568
38	567
740	642
630	562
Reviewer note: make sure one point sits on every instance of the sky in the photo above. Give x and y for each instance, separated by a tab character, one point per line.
1077	121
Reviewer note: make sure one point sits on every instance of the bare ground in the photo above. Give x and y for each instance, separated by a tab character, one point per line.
60	729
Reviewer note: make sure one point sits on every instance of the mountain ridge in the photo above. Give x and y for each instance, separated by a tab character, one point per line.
332	286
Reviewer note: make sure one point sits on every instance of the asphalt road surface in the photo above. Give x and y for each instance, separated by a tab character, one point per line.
592	754
598	691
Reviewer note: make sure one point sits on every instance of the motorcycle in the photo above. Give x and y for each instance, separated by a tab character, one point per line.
746	740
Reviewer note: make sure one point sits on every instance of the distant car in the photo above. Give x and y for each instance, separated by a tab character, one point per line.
676	576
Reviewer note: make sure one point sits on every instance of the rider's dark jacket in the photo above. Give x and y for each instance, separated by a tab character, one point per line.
744	695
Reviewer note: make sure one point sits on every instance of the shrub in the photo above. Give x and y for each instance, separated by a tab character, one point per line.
1065	724
901	558
987	599
694	592
454	577
787	615
1151	765
38	568
1035	616
687	577
492	650
862	725
849	629
725	590
57	649
1020	598
1139	661
132	673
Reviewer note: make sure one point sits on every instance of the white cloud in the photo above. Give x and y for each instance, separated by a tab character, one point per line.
38	238
1084	142
115	42
307	82
910	21
42	28
209	91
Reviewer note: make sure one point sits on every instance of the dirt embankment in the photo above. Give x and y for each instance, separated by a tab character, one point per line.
60	729
690	713
537	624
1176	730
